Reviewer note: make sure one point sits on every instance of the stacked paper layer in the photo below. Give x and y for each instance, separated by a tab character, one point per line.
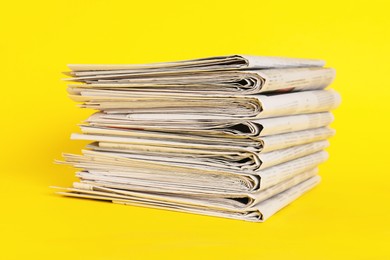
234	136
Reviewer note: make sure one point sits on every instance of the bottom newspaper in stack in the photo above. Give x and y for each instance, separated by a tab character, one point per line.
213	173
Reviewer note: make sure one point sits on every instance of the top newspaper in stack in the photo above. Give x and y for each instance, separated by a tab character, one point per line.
230	75
230	62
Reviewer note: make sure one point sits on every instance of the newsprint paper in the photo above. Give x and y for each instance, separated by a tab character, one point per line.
233	136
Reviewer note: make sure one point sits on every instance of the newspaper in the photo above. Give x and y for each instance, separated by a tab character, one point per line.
255	207
213	108
218	160
240	154
121	124
231	62
207	83
166	142
113	168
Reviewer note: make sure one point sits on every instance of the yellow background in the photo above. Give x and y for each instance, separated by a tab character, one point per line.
347	216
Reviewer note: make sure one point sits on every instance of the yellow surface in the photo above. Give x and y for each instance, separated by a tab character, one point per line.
347	216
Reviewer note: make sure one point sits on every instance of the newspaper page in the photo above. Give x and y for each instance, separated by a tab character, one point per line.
226	201
258	213
109	167
224	83
121	124
203	64
216	108
258	144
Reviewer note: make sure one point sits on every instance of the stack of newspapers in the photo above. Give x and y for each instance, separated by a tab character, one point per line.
232	136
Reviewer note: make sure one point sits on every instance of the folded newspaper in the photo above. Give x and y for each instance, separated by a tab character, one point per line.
232	136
